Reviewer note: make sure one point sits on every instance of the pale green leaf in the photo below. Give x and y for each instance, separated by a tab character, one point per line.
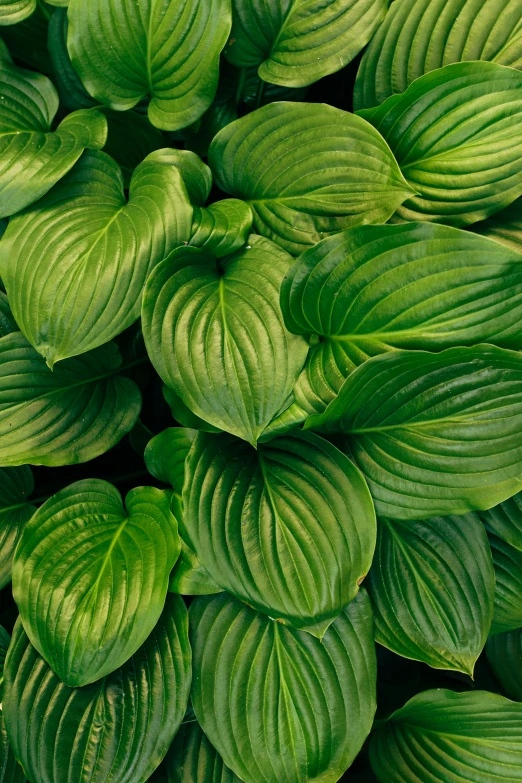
14	11
505	226
223	227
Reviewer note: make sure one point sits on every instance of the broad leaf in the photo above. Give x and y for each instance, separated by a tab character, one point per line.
288	528
222	227
296	42
505	520
192	759
307	171
16	484
75	264
432	585
73	94
504	651
446	737
457	136
90	576
261	689
433	433
10	770
166	52
73	414
14	11
505	226
215	334
116	730
507	560
418	36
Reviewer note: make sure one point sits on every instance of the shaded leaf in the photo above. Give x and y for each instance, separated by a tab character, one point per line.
16	484
10	770
192	759
504	651
505	226
165	455
184	415
4	644
505	520
7	322
73	94
27	40
507	560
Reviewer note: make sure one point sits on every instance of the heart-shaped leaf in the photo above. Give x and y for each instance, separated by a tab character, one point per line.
505	226
432	585
418	36
14	11
16	484
75	264
504	651
307	171
457	136
448	737
261	688
73	414
507	560
117	729
222	227
192	759
505	520
433	433
168	53
90	576
215	334
10	770
298	42
288	528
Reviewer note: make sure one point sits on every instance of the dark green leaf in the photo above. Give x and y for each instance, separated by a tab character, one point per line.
507	560
73	94
505	520
130	139
504	651
192	759
7	322
16	484
10	770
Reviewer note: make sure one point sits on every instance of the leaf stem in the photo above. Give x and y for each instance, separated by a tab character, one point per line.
240	85
260	94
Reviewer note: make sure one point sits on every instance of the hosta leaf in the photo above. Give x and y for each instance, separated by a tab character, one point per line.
10	770
457	136
116	730
307	170
418	36
27	40
296	42
90	576
507	560
16	484
432	585
184	415
73	414
166	52
505	226
504	651
505	520
7	322
73	94
192	759
261	689
288	528
448	737
4	644
75	264
14	11
433	433
215	334
223	227
165	455
130	139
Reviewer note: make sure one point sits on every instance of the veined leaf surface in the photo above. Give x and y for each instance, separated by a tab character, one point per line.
192	759
16	484
505	226
14	11
507	615
504	652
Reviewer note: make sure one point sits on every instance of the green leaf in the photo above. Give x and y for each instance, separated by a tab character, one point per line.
165	455
288	528
16	484
446	737
505	520
223	227
117	729
373	289
10	770
4	644
505	226
418	36
308	171
74	265
14	11
432	585
184	415
7	322
192	759
457	136
504	652
507	560
296	42
73	94
73	414
27	40
195	174
215	334
90	576
130	139
433	433
262	690
168	53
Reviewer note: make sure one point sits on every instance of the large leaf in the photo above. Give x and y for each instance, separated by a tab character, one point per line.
432	585
297	42
166	52
504	651
446	737
261	689
507	560
32	157
434	433
116	730
418	36
308	171
505	226
16	484
457	136
505	520
14	11
371	289
73	414
215	333
75	264
289	528
192	759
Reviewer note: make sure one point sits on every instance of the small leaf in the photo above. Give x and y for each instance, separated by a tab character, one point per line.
507	560
504	651
14	11
223	227
165	455
16	484
7	322
192	759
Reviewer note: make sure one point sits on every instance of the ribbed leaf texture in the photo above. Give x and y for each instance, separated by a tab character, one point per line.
504	652
16	484
192	759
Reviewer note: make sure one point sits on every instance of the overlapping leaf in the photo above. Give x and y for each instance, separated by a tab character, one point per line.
507	560
14	11
192	759
505	520
222	227
16	484
261	689
505	226
10	770
308	171
457	136
504	651
73	94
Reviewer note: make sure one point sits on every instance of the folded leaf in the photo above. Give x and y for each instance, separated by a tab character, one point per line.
75	264
192	759
261	688
117	729
448	737
504	652
168	53
14	11
296	42
288	528
418	36
507	615
16	484
505	520
505	226
223	227
432	585
73	414
308	171
433	433
165	455
215	334
457	136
